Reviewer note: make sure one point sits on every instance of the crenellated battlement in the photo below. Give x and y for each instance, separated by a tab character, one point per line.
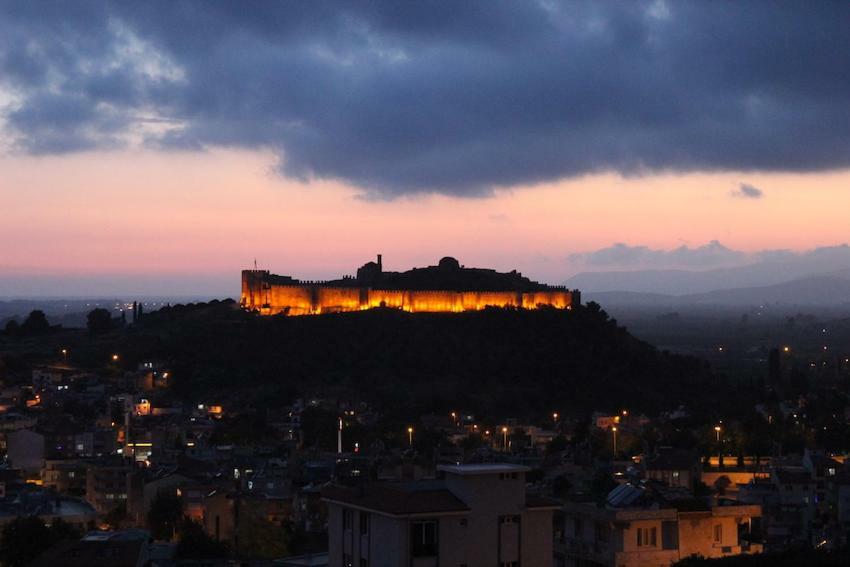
270	294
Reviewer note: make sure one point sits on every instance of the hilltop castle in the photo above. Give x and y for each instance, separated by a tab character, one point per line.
446	287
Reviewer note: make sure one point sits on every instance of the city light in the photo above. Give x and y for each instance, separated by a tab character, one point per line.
114	358
614	432
717	429
410	436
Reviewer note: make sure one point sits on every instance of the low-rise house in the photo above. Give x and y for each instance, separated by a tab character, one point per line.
107	483
674	467
637	527
26	449
24	501
65	476
473	515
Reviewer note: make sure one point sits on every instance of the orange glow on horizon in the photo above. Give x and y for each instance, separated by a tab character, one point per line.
188	213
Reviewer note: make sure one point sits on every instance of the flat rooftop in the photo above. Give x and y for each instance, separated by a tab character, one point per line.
482	468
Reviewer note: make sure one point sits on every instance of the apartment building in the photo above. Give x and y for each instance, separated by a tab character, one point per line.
472	516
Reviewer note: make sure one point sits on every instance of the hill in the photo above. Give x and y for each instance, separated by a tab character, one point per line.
828	263
821	290
495	362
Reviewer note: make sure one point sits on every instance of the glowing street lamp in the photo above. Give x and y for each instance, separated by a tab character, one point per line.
114	358
65	354
717	429
410	436
505	438
555	416
614	432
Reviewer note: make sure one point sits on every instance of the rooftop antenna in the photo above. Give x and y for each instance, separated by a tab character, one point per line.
255	264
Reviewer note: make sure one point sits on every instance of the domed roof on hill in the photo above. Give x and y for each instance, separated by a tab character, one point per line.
449	263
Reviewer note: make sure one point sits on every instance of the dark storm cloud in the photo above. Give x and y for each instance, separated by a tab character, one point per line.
747	191
456	98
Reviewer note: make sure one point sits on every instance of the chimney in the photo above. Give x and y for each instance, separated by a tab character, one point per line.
380	265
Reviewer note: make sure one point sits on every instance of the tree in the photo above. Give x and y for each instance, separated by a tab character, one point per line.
164	516
24	539
260	538
195	543
98	321
35	323
13	328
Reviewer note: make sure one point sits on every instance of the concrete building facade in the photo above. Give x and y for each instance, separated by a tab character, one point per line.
475	515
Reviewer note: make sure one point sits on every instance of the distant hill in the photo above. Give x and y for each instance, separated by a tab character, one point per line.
834	262
821	290
815	290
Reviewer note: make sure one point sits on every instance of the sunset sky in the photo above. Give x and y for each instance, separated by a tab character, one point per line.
162	148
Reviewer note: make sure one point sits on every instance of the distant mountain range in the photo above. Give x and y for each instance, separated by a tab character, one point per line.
775	282
815	290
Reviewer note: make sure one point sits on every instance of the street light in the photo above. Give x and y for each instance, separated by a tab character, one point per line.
410	436
717	429
555	416
505	438
65	354
114	358
614	431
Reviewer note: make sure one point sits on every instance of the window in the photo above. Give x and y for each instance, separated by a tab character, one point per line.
346	519
508	519
718	533
423	539
364	523
647	537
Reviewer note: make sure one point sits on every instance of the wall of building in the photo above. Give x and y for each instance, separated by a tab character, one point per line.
268	298
696	535
536	538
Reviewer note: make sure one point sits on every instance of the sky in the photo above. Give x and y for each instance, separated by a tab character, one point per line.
160	148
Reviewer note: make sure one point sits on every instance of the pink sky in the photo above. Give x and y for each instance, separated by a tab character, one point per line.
174	214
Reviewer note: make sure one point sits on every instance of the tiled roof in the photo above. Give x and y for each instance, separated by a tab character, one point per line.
534	501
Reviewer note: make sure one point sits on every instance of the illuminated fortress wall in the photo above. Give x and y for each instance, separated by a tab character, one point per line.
262	294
